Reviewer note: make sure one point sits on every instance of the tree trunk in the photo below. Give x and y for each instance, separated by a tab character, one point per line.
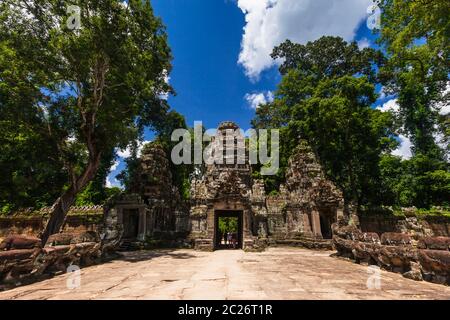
66	200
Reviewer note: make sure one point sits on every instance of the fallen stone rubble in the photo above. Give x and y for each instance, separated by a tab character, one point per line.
426	259
22	258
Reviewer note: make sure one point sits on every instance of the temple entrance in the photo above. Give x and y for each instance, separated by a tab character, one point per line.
228	229
130	223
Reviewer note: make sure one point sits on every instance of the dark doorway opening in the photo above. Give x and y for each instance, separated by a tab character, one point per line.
325	227
228	229
130	223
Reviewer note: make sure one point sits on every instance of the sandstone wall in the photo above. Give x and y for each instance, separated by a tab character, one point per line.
415	226
23	259
29	222
425	258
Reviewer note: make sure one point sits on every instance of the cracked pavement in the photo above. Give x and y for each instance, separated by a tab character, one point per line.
277	273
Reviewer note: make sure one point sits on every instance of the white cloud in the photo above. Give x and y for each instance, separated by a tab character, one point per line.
363	43
404	150
115	165
390	105
126	153
254	100
444	106
165	95
108	182
385	95
270	22
113	183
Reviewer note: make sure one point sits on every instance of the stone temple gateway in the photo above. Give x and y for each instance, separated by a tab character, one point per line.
303	209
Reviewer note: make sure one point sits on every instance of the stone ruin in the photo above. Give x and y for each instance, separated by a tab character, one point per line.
307	211
419	258
301	214
152	210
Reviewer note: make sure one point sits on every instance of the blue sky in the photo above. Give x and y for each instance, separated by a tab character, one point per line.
205	37
221	66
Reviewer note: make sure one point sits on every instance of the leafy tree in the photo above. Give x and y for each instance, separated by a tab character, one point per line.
100	84
325	97
420	181
32	175
96	192
415	36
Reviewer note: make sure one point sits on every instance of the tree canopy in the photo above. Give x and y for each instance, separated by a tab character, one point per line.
325	97
93	88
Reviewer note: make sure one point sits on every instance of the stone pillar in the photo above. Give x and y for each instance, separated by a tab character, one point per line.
315	223
210	221
246	220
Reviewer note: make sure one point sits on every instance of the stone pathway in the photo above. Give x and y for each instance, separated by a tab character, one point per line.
277	273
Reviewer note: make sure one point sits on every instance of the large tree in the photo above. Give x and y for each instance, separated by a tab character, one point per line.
98	85
415	35
325	97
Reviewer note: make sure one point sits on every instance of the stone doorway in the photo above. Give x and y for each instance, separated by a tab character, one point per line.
228	226
326	220
130	223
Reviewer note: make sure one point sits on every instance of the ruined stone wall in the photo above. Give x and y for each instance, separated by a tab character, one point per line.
421	226
423	258
24	260
32	222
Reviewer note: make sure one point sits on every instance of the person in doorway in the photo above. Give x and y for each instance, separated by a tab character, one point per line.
229	238
234	240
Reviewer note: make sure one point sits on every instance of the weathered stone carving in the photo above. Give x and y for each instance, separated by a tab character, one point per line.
305	207
23	259
429	260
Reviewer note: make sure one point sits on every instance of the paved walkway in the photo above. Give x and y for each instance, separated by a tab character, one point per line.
278	273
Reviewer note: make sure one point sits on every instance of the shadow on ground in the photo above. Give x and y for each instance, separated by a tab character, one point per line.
145	255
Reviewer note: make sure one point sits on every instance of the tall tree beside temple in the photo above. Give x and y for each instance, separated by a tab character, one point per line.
415	36
97	81
325	97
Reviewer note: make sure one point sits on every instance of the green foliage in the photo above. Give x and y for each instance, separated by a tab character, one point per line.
415	36
228	224
326	99
180	173
90	196
420	181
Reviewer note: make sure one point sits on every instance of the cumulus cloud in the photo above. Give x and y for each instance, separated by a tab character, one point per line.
165	95
126	153
391	105
404	149
113	183
254	100
443	107
270	22
115	165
